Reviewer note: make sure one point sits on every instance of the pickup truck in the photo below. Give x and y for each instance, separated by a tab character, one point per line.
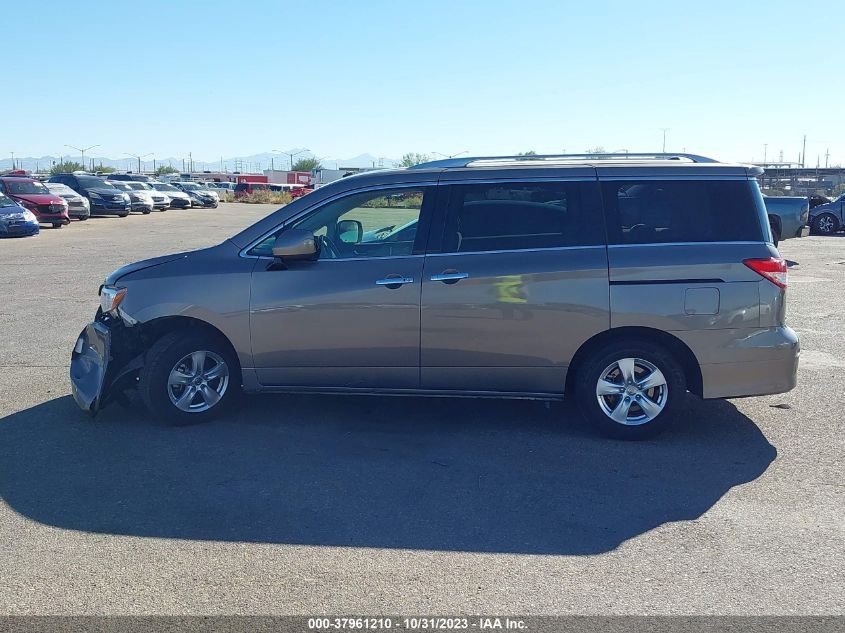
829	218
788	216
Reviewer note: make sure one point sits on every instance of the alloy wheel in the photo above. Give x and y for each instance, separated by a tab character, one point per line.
632	391
198	381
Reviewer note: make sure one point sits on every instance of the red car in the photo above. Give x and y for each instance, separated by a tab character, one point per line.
34	195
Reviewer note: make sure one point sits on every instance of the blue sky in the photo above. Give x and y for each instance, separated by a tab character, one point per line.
387	77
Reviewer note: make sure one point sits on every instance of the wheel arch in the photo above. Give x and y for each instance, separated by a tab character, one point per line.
154	329
675	346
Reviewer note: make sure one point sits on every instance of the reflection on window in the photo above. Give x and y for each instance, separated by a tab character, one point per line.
370	224
511	216
653	212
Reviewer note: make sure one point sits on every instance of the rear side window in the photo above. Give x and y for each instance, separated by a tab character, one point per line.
522	216
663	211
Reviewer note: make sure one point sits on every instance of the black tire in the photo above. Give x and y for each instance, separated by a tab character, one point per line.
825	224
82	218
146	211
594	368
58	225
164	356
775	227
122	215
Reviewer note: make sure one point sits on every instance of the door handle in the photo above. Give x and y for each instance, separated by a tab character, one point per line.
394	281
449	276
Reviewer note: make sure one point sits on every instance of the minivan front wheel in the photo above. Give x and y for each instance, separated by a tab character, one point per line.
630	390
188	378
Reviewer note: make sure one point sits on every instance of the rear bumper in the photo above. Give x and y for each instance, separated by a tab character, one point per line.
764	362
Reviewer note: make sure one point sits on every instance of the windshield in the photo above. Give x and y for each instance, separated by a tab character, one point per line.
90	182
120	185
189	186
24	187
160	186
5	201
139	186
60	189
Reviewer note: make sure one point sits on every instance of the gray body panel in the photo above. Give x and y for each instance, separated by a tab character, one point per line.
327	324
515	322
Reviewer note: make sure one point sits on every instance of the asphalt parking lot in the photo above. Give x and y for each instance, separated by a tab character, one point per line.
312	505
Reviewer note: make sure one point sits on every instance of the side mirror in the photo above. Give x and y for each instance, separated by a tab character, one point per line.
350	231
296	245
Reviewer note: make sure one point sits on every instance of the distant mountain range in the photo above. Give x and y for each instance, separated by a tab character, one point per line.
252	163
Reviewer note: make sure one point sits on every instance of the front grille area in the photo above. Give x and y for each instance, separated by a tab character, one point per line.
50	208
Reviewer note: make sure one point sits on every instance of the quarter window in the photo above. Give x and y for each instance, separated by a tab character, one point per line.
522	216
661	211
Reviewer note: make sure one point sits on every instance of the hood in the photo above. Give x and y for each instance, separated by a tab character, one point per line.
12	210
105	191
39	198
144	264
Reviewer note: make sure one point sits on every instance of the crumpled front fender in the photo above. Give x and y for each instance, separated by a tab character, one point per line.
102	363
89	364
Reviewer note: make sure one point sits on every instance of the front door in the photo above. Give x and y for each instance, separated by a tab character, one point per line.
519	284
351	319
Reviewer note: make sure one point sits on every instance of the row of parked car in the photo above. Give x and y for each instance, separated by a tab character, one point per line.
26	202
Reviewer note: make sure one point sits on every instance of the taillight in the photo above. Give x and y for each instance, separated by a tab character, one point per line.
772	268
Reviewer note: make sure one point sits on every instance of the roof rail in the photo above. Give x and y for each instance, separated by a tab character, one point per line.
492	161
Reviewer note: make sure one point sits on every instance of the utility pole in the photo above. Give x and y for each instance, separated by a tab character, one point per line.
804	153
765	152
291	155
139	157
82	151
826	157
13	160
665	129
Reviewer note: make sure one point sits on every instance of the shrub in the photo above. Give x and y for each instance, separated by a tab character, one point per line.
264	197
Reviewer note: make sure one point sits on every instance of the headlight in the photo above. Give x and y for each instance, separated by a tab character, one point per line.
126	197
110	298
95	196
29	216
28	205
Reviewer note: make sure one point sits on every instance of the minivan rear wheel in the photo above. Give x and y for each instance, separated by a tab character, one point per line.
189	378
630	390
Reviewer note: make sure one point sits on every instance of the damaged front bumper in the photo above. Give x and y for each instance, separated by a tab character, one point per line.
102	358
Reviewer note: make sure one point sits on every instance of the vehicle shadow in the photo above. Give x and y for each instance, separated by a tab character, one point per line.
418	473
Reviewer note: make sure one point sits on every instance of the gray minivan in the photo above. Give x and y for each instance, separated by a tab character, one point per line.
625	281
